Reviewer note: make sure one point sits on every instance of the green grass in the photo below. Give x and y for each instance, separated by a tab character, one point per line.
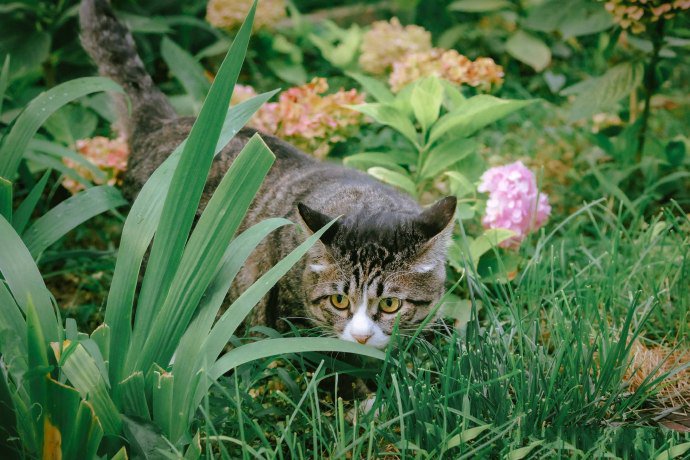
538	373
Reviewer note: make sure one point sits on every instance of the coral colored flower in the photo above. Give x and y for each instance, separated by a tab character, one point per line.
636	15
229	14
108	155
514	201
447	64
388	41
309	119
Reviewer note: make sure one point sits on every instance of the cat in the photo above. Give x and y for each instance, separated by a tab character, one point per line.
383	259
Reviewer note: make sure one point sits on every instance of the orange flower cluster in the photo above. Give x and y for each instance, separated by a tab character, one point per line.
637	14
447	64
388	41
108	155
229	14
306	116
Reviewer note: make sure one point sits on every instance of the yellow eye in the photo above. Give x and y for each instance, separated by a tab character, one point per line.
390	305
339	301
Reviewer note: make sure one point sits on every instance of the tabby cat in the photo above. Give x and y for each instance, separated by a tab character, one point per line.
383	259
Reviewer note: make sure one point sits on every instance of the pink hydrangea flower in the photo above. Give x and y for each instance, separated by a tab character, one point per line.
108	155
514	201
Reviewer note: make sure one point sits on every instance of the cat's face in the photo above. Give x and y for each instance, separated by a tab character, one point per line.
368	270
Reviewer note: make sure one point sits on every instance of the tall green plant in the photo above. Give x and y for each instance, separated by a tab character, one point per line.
159	370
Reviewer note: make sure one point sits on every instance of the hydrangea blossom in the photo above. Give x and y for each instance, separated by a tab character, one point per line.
447	64
514	201
230	14
388	41
635	15
306	116
108	155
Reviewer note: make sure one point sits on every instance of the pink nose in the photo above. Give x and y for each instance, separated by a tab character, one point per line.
361	338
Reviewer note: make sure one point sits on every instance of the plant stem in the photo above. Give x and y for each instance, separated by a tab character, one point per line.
650	85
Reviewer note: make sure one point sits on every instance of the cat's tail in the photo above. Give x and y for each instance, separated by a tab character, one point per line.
111	46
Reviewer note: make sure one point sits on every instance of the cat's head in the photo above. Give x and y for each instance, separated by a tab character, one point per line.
369	269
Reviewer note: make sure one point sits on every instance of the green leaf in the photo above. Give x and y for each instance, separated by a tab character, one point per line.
377	89
133	396
145	438
364	161
479	6
38	368
396	179
389	116
36	113
674	452
28	50
489	239
529	49
82	372
186	188
6	199
476	113
460	186
186	70
71	123
445	155
27	206
4	78
426	99
597	94
453	97
79	429
25	281
69	214
522	452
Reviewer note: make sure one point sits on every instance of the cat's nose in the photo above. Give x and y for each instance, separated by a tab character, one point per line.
361	338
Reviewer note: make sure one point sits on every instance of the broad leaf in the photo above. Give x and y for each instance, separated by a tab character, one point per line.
426	99
529	49
389	116
396	179
476	113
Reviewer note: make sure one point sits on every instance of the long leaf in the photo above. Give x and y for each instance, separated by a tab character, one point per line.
138	231
38	111
69	214
6	199
38	367
188	182
212	235
13	344
4	78
82	372
24	280
26	208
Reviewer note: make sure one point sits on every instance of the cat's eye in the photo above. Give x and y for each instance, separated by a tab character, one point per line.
390	304
340	301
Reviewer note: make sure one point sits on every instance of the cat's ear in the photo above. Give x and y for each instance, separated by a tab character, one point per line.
437	217
314	221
